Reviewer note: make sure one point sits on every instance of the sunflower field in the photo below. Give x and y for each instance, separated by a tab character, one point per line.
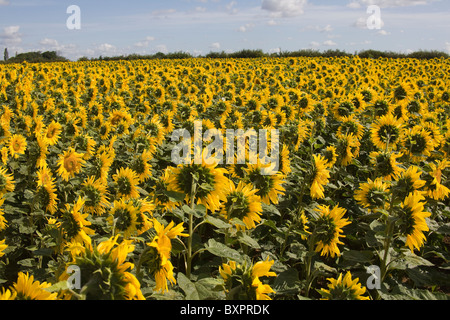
93	207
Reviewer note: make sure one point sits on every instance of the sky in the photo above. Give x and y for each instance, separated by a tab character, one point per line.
112	28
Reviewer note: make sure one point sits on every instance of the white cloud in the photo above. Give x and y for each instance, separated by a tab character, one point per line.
49	42
11	36
4	2
284	8
329	43
447	46
162	48
388	3
272	23
246	27
106	48
230	7
214	46
383	32
314	44
144	43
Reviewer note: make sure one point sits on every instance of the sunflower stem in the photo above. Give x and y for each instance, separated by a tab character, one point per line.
191	229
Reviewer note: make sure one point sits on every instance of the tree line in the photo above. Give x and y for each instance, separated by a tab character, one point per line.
52	56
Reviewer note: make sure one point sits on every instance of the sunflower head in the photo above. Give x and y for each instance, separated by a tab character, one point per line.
242	281
373	195
26	288
242	203
343	288
328	229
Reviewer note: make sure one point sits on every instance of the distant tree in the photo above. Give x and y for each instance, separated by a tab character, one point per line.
6	54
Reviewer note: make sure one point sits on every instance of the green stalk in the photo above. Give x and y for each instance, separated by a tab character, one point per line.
190	230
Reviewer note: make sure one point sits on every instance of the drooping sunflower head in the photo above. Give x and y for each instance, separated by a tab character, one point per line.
269	186
141	165
412	220
6	181
207	182
386	165
123	217
343	288
347	148
386	132
417	143
94	192
330	156
242	203
328	229
408	182
126	182
105	272
373	195
242	281
75	223
319	176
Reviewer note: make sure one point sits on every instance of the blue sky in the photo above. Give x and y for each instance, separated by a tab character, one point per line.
112	28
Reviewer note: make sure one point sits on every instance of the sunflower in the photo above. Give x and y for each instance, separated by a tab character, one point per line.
269	186
47	189
242	282
347	148
343	289
94	192
434	188
207	182
373	194
328	229
6	182
75	224
417	143
242	203
350	124
285	164
412	220
386	132
409	181
319	177
161	194
105	272
141	165
386	165
52	133
70	163
3	246
123	217
102	163
27	289
7	294
17	145
158	253
330	156
126	181
3	221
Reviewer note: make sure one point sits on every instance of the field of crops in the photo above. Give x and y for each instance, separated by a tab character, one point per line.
93	206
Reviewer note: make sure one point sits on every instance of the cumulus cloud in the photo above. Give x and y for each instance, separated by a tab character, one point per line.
447	46
214	46
4	2
144	43
11	36
246	27
284	8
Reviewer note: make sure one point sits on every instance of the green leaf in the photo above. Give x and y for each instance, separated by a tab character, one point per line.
218	223
287	282
358	256
221	250
174	196
249	241
188	287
